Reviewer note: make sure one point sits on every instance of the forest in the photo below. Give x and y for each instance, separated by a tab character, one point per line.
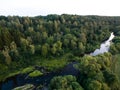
53	41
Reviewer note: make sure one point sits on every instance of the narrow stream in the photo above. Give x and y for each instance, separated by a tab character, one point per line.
69	69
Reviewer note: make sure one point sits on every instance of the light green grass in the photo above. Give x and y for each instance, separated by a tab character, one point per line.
35	73
27	70
25	87
53	64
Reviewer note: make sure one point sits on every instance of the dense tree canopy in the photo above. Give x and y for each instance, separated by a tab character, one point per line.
54	36
96	73
65	83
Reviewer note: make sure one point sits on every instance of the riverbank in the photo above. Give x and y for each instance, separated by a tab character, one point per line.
21	79
49	64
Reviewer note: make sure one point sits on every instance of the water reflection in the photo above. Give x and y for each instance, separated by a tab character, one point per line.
104	47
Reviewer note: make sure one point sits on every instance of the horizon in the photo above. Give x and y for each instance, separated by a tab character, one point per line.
57	14
34	8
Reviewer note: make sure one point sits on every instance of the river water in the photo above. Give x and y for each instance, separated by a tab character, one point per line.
20	80
104	47
69	69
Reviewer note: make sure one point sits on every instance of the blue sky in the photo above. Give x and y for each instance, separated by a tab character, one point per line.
45	7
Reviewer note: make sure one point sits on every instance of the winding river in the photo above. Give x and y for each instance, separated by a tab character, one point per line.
69	69
104	47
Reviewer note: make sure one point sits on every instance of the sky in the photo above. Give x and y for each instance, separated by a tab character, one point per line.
45	7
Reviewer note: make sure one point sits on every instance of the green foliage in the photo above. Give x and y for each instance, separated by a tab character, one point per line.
4	76
24	43
27	70
25	87
64	83
115	47
44	50
54	49
31	49
96	73
14	51
53	64
116	65
94	85
80	50
29	41
35	73
6	55
105	86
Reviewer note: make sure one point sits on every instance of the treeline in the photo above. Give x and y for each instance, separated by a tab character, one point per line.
52	35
